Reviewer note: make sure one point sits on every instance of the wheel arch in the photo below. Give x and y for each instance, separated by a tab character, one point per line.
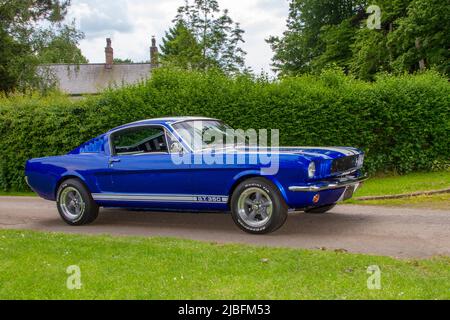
68	177
254	174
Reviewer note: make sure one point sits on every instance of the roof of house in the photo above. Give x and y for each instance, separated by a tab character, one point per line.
94	78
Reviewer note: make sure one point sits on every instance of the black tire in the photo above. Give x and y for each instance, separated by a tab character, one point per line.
90	209
278	205
321	210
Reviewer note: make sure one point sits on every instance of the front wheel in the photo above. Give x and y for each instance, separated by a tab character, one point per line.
257	206
75	204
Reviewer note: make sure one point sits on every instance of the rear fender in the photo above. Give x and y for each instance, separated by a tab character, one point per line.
69	175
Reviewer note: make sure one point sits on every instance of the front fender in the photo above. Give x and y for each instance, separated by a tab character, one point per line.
252	174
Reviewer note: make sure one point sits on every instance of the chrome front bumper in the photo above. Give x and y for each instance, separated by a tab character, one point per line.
329	185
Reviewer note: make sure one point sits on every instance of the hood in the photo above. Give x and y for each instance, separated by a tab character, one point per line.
322	152
326	153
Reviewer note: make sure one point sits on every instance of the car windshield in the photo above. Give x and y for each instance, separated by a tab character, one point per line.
209	134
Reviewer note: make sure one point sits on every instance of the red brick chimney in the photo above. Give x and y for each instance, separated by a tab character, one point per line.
109	54
154	60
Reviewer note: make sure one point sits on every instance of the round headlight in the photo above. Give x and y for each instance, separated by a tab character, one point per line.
360	160
311	169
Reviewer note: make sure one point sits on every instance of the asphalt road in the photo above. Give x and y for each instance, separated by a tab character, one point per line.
396	232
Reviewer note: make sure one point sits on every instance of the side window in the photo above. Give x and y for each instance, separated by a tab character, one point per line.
139	140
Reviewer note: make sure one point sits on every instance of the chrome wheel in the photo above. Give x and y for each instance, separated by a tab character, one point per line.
255	207
72	203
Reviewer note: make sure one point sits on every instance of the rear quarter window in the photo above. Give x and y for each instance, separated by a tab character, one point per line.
96	145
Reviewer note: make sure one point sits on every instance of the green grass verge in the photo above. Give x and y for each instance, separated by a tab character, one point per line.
437	202
18	194
389	185
33	266
379	186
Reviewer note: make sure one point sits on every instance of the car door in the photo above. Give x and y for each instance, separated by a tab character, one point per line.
142	170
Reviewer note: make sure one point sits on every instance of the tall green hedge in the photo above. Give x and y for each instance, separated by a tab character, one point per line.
402	123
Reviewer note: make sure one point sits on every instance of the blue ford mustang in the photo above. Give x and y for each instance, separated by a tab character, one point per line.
155	165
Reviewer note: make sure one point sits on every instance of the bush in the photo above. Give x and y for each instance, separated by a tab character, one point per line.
402	123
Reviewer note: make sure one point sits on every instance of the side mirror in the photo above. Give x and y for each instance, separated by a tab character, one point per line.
176	147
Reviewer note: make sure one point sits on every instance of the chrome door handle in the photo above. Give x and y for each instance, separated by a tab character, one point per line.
111	161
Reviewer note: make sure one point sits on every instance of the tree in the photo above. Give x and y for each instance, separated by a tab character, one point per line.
180	48
413	36
60	45
17	21
215	33
125	61
337	40
371	51
311	25
24	43
14	59
421	38
369	54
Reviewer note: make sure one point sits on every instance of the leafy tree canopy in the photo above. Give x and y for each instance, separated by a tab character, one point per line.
204	37
32	32
180	48
59	45
413	36
311	25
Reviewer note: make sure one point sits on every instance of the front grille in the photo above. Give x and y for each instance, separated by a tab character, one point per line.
344	164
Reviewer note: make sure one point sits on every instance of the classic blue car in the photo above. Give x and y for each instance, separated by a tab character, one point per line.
156	165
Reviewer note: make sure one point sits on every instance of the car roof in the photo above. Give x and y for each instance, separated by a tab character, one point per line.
160	121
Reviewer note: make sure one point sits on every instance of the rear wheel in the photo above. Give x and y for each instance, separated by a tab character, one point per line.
257	206
321	210
75	204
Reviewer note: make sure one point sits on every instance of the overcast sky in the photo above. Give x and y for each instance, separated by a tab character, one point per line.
131	23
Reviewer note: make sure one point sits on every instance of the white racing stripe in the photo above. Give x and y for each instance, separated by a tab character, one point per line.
160	198
344	151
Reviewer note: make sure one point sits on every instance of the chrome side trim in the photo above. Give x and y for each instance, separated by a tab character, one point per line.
160	198
328	185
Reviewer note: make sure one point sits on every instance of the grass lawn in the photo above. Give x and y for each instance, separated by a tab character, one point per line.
33	266
379	186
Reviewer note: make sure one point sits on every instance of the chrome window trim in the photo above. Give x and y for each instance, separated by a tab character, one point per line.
194	119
